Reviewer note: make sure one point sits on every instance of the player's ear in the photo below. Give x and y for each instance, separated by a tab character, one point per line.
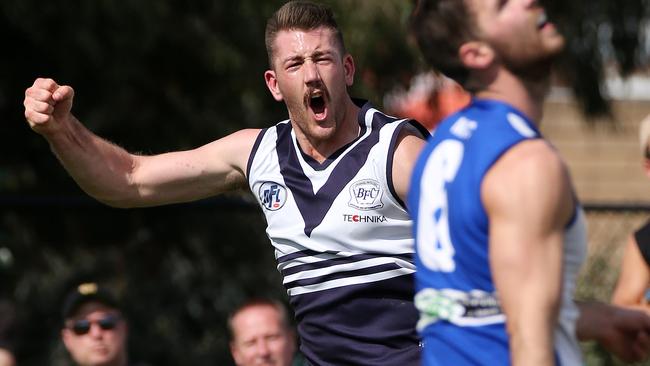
476	55
348	66
272	84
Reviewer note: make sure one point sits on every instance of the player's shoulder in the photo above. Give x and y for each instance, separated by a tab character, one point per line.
534	158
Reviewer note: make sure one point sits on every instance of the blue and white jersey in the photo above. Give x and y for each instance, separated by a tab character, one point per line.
460	318
343	242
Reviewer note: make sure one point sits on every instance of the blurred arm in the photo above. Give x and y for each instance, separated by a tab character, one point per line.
634	278
623	332
528	199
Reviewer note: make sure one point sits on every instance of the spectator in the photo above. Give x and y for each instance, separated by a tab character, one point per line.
6	357
7	325
261	334
634	278
499	232
94	330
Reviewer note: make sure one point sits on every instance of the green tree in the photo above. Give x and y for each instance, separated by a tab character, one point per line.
602	36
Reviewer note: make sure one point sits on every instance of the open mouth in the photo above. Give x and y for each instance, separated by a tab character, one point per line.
542	20
317	104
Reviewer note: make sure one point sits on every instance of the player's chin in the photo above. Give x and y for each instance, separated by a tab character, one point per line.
323	132
554	44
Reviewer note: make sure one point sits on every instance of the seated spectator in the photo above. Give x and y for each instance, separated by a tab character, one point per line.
7	325
261	334
634	279
94	330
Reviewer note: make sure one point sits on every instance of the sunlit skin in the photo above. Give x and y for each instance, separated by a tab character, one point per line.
260	337
98	347
6	358
311	63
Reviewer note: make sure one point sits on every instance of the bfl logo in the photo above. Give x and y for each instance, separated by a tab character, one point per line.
366	195
272	195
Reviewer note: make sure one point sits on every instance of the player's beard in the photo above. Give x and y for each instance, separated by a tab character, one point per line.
534	67
535	63
537	71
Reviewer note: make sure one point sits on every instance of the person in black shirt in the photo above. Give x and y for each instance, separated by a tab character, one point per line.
633	282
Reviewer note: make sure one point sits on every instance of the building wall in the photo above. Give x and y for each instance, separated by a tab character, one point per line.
604	158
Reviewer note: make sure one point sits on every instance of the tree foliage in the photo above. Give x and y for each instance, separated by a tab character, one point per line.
604	38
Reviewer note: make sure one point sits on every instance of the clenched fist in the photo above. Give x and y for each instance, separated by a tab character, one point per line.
47	106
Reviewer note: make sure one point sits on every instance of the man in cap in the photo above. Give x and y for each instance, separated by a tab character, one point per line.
94	330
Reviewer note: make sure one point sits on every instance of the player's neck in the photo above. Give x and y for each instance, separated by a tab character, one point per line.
525	95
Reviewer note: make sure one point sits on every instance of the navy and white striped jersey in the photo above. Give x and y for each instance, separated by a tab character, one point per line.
460	317
343	243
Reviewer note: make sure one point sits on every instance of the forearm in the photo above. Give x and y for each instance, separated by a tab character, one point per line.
624	332
531	341
595	320
529	293
529	296
100	168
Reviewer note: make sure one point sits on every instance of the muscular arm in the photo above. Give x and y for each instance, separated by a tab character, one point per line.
528	200
634	278
409	144
113	176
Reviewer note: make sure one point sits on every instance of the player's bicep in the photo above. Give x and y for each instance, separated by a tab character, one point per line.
194	174
528	199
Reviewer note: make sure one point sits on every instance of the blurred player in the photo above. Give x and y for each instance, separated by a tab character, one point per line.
500	235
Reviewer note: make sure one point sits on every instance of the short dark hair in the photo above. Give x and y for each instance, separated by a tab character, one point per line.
440	28
303	15
260	301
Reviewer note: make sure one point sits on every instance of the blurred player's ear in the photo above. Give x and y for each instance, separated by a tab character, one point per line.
476	55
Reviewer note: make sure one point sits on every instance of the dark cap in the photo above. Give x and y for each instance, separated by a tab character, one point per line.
84	293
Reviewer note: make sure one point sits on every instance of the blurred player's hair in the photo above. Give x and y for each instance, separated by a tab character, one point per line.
440	27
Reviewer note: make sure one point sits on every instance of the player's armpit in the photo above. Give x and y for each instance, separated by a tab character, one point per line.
408	147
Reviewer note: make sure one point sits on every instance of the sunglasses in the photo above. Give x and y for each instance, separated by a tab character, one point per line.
82	326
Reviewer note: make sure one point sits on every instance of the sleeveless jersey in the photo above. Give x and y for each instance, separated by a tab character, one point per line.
460	318
343	242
